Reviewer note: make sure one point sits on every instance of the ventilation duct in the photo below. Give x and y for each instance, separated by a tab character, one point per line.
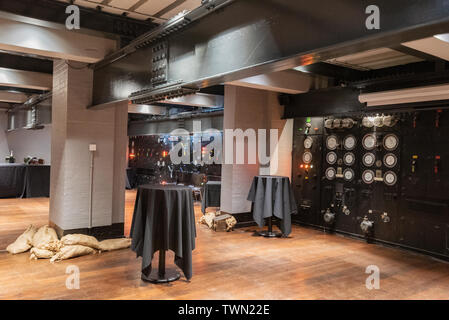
403	96
32	115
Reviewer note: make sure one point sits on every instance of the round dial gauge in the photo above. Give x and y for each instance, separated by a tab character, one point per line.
349	159
368	176
390	121
332	142
390	178
307	157
347	123
369	141
331	157
390	160
368	122
378	122
329	124
391	142
337	123
330	173
348	174
368	159
349	142
308	142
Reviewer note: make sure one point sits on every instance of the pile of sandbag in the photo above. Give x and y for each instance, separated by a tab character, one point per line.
44	244
218	221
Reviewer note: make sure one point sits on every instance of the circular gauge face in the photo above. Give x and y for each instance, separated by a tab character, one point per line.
308	143
368	159
349	159
307	157
390	160
390	121
348	174
332	142
349	142
347	123
368	122
369	141
329	124
337	123
378	122
330	173
391	142
368	176
331	157
390	178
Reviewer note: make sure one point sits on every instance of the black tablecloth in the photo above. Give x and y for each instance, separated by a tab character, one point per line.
21	180
131	176
12	178
211	195
37	181
164	219
273	196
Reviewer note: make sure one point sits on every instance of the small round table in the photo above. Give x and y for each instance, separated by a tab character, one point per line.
164	219
272	196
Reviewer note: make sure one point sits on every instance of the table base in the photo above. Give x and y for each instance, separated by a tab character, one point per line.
170	275
270	234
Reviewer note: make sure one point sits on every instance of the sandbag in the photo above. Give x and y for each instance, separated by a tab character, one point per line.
80	239
44	236
115	244
53	245
208	218
24	242
72	251
230	222
40	254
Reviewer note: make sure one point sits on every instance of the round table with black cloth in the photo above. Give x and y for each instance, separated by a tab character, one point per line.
272	196
211	195
26	181
164	219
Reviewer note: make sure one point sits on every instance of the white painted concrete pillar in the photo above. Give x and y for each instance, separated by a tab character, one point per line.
247	108
74	127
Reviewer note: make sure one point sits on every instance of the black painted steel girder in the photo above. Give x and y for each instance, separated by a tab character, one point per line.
248	37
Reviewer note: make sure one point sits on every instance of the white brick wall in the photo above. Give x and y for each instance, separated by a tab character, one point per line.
74	128
257	109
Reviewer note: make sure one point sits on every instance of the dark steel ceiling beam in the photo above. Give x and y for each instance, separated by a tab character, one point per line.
251	37
54	11
19	62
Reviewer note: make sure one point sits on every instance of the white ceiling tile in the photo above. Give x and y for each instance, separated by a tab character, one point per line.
137	16
187	5
152	7
124	4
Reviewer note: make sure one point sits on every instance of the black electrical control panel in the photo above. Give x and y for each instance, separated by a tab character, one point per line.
384	177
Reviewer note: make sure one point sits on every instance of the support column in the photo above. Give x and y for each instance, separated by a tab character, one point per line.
74	127
247	108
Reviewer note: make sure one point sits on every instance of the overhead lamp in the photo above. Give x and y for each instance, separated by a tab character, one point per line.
411	95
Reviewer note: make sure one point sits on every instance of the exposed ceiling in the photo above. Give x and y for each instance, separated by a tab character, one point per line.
156	10
374	59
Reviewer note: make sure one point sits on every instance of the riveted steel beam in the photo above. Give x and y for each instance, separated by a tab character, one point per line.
244	38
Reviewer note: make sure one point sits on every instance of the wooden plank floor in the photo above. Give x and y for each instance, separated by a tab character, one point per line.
236	265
